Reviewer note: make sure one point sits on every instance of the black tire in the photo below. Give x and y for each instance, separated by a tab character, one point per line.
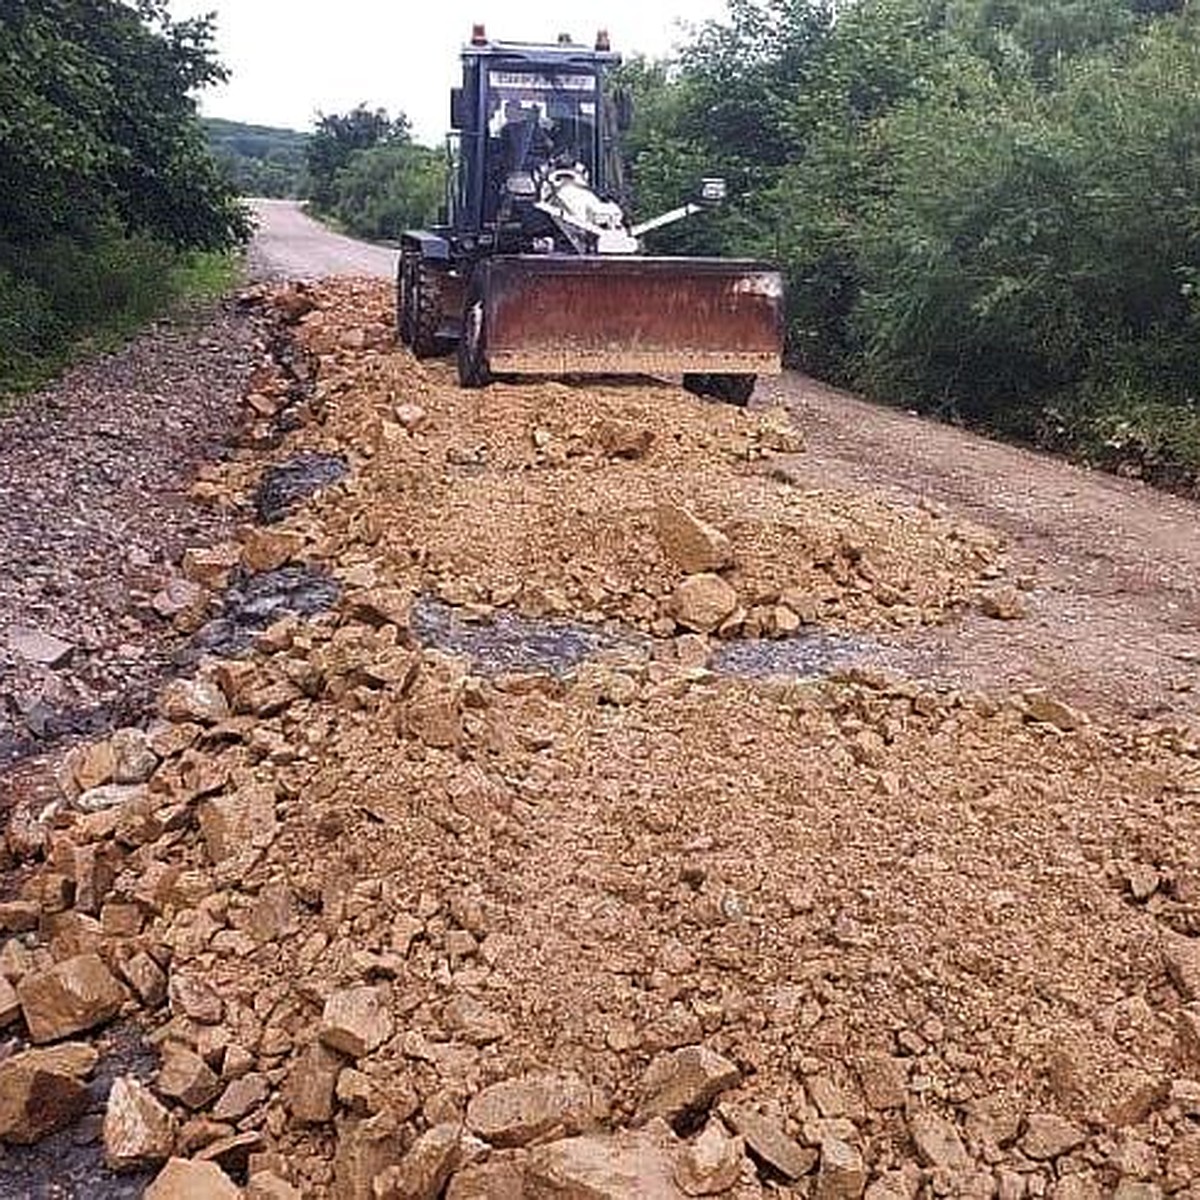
731	389
418	305
404	323
473	370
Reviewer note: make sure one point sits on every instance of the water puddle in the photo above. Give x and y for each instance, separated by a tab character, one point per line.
508	641
255	601
29	731
285	485
511	642
812	655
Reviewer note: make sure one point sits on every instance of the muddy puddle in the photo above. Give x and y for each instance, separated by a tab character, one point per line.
44	725
253	602
809	655
283	486
508	641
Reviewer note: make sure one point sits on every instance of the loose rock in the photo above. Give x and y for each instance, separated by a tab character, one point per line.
133	759
191	997
10	1006
34	646
186	1179
198	700
138	1131
365	1149
938	1142
1045	708
519	1111
703	602
616	1167
266	1185
245	818
684	1082
1002	604
767	1141
186	1077
499	1178
42	1091
842	1174
241	1096
356	1020
690	543
146	978
711	1164
422	1173
311	1082
1182	957
1048	1135
73	996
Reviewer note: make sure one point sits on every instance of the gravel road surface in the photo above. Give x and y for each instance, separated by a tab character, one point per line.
291	245
917	940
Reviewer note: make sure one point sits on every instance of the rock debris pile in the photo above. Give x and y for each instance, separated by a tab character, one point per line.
397	930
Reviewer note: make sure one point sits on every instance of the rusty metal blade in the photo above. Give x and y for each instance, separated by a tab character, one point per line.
562	315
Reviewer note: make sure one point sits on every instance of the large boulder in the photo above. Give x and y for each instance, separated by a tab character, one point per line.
70	997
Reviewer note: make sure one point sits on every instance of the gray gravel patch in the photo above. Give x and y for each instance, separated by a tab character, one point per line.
95	512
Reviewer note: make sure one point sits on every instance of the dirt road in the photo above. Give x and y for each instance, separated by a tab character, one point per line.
291	245
1113	567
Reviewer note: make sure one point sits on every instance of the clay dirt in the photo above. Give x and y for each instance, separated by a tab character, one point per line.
630	919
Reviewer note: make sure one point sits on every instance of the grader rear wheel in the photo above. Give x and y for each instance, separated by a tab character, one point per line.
418	305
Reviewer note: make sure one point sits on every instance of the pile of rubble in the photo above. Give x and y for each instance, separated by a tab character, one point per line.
396	929
636	503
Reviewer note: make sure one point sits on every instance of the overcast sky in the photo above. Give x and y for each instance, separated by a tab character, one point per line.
291	58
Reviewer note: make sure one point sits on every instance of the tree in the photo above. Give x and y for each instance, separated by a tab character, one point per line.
338	136
982	206
388	188
107	185
97	120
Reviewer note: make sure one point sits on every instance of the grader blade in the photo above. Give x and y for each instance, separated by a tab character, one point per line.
552	315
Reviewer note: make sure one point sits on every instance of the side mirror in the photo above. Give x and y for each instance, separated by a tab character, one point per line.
712	192
623	102
460	115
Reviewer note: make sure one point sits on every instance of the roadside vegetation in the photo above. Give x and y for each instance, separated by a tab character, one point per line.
111	205
986	209
369	178
260	160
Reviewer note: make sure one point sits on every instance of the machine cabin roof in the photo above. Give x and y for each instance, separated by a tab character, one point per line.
564	54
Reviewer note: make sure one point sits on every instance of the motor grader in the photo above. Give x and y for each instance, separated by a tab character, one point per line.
536	270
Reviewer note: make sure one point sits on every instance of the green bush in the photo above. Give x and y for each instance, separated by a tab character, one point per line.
387	189
110	196
63	296
986	209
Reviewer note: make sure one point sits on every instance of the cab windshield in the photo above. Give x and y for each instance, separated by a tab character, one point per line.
544	120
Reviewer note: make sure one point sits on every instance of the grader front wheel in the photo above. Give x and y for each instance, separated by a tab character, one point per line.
473	371
732	389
